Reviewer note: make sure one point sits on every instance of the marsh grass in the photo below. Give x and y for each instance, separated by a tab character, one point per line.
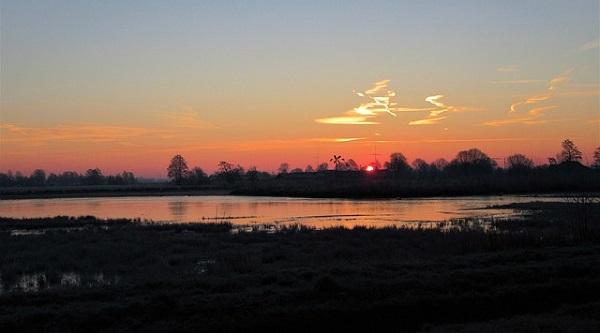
191	277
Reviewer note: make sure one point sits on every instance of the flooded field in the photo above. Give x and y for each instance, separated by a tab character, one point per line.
271	210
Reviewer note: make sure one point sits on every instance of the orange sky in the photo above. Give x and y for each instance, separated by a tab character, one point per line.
219	83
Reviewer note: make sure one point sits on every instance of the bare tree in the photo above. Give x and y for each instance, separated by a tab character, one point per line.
178	169
569	153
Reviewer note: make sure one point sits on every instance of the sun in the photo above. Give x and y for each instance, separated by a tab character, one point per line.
370	168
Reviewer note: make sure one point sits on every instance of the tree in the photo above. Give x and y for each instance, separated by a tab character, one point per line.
518	163
397	164
323	166
338	161
197	176
177	169
470	162
296	170
569	153
596	163
309	168
420	166
38	177
283	168
440	164
94	177
228	172
351	165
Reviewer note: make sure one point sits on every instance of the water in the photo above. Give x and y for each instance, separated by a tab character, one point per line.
269	210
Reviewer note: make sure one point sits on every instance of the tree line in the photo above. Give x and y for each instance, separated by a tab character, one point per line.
472	162
68	178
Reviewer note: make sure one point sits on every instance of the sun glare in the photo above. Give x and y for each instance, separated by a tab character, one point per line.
370	168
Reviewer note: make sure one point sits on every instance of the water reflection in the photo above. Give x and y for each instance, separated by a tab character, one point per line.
178	209
268	210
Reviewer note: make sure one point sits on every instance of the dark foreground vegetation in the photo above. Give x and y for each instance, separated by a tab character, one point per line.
471	172
541	273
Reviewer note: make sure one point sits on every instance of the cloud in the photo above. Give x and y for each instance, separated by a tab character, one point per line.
350	120
334	140
186	118
508	68
435	114
92	133
519	81
427	121
533	116
379	100
167	126
553	85
594	44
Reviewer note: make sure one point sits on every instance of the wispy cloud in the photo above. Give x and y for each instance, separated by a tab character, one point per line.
553	85
186	118
435	114
508	68
519	81
535	114
349	120
379	100
164	126
594	44
427	121
334	140
532	117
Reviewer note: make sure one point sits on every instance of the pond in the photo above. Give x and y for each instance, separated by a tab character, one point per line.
249	210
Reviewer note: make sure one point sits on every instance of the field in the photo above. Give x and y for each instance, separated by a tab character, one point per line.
83	274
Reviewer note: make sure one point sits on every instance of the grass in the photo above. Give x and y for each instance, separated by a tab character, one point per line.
515	275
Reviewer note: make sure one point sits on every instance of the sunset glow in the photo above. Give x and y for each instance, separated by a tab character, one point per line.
257	85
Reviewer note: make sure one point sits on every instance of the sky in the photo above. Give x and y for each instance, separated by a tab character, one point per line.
125	85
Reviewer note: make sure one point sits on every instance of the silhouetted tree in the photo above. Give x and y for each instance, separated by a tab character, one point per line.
177	169
94	177
596	163
351	165
19	179
471	162
252	175
338	161
569	153
296	170
309	168
397	164
439	165
518	163
38	177
323	166
421	167
197	176
283	168
229	173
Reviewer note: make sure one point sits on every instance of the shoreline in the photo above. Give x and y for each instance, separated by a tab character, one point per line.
104	192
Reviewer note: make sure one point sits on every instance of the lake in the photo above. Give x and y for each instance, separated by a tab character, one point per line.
248	210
